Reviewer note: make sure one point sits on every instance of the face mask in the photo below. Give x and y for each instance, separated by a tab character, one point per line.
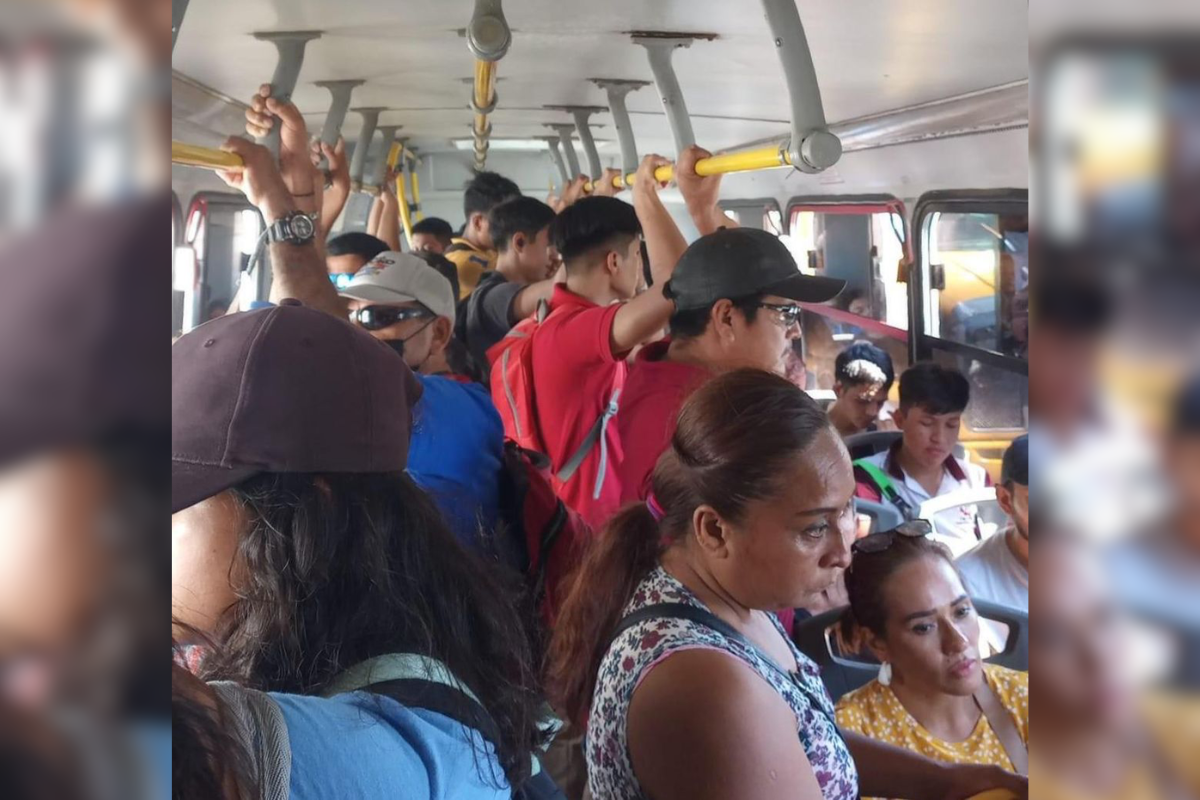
398	344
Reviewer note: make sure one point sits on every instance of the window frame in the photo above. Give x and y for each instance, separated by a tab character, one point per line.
736	204
957	201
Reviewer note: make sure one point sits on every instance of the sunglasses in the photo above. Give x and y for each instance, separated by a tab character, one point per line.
879	542
374	318
342	279
789	315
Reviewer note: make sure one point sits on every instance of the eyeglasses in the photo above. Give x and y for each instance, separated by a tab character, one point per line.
789	315
374	318
342	279
879	542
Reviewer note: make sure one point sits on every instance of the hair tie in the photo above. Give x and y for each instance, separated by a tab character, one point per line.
655	509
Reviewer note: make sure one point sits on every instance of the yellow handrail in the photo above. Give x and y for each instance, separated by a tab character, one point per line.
416	193
485	95
394	156
191	155
770	157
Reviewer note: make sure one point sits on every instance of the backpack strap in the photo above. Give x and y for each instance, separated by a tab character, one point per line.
595	434
887	489
1003	726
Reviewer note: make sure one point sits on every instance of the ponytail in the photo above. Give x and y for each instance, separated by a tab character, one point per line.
626	550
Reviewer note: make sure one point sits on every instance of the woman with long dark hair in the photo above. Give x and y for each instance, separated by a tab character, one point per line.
667	645
320	572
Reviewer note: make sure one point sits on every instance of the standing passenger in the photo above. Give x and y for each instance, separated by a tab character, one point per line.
666	644
597	318
474	252
520	227
432	235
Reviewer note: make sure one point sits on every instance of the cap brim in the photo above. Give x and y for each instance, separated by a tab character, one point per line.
807	288
191	483
377	294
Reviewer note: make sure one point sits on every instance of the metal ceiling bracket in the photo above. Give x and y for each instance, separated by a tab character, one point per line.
580	114
659	51
379	168
564	137
812	148
556	157
616	91
488	34
338	106
178	10
358	161
290	46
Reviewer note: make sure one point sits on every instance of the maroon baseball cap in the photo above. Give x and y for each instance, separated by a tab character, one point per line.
284	389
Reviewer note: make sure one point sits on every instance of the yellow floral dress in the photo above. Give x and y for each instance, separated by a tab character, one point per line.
875	711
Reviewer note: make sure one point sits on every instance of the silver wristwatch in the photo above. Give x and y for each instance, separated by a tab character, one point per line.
296	228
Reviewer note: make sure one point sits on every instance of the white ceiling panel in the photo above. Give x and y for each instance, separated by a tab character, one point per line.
870	56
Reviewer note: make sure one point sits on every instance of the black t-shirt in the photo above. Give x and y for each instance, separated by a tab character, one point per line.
488	314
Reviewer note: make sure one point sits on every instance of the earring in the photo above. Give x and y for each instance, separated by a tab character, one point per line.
885	674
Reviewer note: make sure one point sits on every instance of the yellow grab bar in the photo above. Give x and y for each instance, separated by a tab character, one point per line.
416	193
394	156
204	157
770	157
485	95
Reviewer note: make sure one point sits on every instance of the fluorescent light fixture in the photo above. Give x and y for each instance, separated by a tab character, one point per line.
519	145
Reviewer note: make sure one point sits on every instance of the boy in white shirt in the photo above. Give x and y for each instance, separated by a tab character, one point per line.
997	569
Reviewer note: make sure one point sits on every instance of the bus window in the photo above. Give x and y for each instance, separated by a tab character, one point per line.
977	272
763	214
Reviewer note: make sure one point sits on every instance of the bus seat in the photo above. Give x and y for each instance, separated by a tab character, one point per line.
842	673
884	516
863	445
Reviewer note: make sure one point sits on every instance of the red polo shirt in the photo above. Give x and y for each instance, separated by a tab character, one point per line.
654	392
574	375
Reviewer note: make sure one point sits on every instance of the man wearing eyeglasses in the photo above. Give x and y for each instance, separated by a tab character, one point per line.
736	293
457	438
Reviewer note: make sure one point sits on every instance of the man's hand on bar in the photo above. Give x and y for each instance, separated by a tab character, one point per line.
295	162
604	187
700	193
259	179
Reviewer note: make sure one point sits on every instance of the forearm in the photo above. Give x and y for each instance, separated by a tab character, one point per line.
332	204
389	222
664	243
641	319
374	217
298	271
888	771
710	219
526	302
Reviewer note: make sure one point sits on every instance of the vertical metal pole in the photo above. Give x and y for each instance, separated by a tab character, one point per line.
616	91
358	161
813	148
290	45
580	114
564	137
488	38
556	156
659	52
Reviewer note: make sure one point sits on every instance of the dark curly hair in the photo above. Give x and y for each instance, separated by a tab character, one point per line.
337	568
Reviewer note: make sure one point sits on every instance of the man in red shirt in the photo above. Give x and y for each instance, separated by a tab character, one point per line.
597	317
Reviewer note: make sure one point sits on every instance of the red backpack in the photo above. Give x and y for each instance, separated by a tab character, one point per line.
511	361
541	538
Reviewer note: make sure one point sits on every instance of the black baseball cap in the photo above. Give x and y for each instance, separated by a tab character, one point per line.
740	262
1015	466
284	389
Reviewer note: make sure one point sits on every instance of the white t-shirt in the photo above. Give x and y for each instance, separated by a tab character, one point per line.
993	573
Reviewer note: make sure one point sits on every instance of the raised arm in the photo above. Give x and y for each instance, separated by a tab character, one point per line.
701	193
337	179
297	270
648	313
526	301
389	213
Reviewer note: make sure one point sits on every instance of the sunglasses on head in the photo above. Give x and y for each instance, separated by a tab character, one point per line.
374	318
879	542
788	314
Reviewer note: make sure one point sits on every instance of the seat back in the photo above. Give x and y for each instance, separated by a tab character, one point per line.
864	445
815	637
884	516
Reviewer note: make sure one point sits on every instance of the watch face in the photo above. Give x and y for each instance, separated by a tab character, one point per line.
302	226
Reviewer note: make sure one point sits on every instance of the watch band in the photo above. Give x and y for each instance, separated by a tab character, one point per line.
296	228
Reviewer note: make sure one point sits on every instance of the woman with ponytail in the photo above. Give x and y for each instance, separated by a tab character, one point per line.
667	645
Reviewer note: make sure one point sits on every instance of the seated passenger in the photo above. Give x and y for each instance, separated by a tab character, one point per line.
863	376
922	465
347	253
1097	738
934	695
667	644
473	252
597	317
432	235
997	569
315	566
457	437
520	228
